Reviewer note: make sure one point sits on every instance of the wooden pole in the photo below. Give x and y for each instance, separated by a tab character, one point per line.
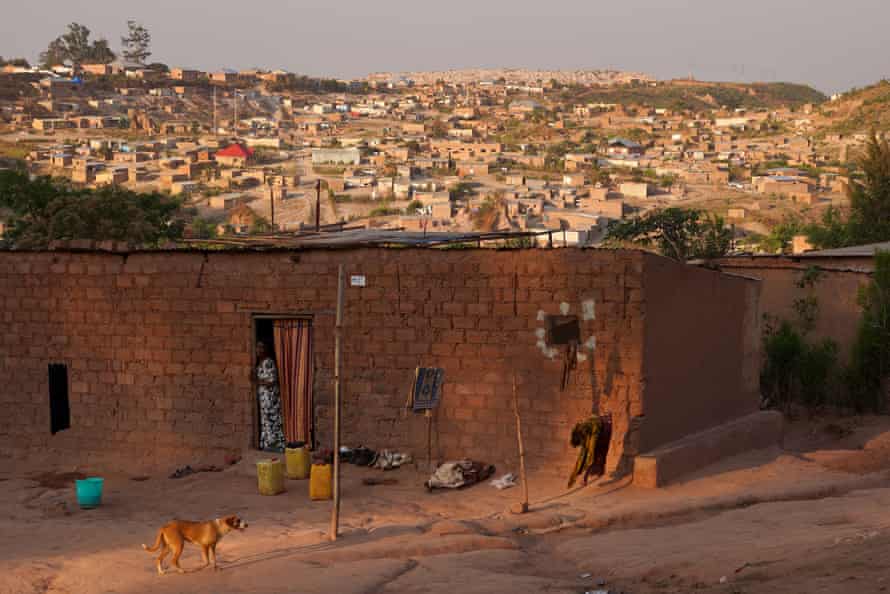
338	331
522	476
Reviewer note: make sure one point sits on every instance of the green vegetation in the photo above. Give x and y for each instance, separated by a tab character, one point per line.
861	110
677	233
75	47
203	228
384	211
305	84
136	44
45	209
795	368
868	219
414	206
684	96
866	377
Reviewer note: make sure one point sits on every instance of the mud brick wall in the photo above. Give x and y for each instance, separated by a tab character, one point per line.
837	291
159	347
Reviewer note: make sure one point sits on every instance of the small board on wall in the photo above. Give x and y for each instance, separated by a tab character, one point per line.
427	390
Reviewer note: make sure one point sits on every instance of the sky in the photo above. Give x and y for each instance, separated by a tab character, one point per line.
830	45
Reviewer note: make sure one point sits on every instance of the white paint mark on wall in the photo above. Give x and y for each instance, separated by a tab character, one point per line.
591	343
582	356
541	315
588	311
540	333
564	308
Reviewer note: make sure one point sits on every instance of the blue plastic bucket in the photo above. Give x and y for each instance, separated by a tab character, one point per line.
89	492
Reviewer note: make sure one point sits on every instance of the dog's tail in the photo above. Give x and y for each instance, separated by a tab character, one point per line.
154	547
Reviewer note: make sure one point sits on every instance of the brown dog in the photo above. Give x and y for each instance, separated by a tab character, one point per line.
172	537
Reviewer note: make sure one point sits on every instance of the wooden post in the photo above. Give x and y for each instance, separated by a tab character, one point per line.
338	331
522	476
429	439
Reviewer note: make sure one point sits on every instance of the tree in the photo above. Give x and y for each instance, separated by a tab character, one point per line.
868	219
203	228
136	44
44	210
75	47
20	62
676	232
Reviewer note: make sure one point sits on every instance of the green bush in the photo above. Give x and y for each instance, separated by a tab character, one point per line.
870	361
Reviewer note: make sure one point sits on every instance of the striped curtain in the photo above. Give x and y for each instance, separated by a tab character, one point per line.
293	350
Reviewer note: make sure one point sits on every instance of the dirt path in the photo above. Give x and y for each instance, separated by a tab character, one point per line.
811	518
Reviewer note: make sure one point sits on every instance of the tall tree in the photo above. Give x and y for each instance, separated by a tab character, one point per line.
868	217
137	43
75	47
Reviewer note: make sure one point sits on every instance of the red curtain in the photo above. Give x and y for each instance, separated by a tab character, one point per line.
293	351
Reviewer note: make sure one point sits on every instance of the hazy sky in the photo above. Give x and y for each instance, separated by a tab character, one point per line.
829	44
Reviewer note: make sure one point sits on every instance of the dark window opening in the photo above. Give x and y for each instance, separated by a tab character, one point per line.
59	410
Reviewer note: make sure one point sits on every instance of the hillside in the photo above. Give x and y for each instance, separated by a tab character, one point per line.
697	96
859	110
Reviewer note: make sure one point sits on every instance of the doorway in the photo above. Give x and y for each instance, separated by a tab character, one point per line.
288	343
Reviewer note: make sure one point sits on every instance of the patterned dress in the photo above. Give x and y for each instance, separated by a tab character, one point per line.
271	426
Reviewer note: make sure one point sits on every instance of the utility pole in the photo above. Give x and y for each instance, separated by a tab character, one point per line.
236	112
317	205
215	128
272	203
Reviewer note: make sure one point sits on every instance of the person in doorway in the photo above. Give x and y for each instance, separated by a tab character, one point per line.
268	395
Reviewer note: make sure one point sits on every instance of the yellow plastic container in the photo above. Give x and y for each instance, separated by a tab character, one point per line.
298	463
320	478
270	476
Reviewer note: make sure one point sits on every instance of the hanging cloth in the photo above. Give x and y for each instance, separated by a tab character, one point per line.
293	351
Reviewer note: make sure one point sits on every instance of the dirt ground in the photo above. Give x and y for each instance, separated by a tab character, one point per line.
809	517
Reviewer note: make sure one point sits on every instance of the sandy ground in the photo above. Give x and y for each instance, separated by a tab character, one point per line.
807	518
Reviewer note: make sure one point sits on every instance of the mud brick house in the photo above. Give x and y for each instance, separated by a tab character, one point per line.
159	348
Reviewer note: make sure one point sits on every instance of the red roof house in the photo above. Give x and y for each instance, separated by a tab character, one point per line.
235	155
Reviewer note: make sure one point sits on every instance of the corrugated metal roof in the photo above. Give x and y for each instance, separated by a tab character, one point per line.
854	251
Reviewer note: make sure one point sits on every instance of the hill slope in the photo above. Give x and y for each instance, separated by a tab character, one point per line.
698	96
859	110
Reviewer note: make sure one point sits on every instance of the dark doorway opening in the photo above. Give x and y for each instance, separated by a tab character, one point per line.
287	341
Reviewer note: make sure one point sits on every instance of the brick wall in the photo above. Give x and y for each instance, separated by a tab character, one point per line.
159	349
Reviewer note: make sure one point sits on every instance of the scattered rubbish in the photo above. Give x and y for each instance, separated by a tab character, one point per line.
597	592
139	479
505	482
584	576
462	473
384	460
187	470
181	472
724	579
387	460
373	482
232	459
601	582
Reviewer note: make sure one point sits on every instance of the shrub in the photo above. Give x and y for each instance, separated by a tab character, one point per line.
870	360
